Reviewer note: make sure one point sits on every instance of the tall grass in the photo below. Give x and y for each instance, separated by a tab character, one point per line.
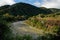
48	26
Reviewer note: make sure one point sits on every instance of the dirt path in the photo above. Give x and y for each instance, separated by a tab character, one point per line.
21	28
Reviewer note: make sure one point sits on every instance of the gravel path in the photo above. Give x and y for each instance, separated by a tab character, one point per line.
21	28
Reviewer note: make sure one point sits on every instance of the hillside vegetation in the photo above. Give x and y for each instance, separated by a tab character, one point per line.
42	18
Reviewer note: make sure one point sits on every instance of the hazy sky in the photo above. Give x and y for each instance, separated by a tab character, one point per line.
38	3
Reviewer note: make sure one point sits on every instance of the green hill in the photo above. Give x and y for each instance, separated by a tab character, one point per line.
25	9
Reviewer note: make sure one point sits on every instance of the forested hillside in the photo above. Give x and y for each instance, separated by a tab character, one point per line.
26	10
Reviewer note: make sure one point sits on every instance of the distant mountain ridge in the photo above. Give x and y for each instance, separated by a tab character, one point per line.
26	9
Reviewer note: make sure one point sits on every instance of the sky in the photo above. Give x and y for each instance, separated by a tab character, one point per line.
38	3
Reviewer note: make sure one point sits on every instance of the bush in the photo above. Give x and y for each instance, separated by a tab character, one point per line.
5	31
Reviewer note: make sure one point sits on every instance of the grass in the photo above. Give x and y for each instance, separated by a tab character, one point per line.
48	24
40	37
